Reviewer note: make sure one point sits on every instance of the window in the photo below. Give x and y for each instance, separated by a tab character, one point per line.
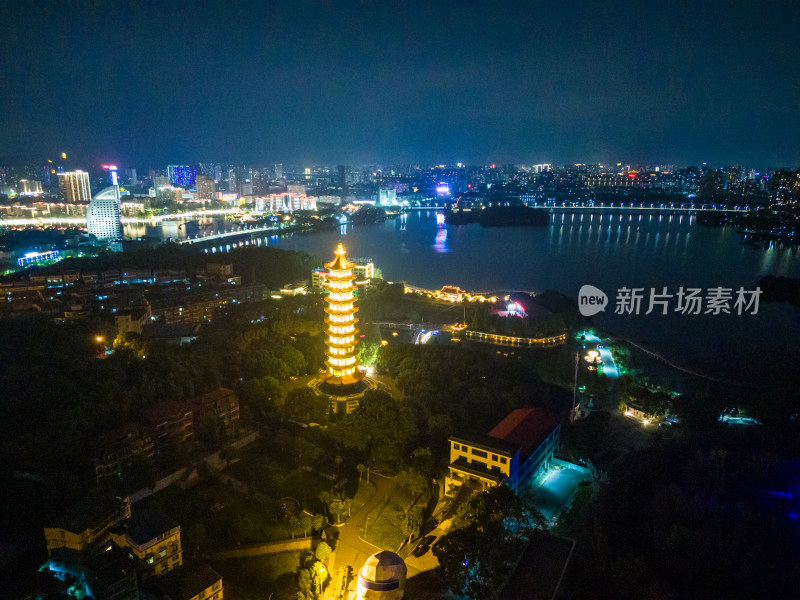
494	457
480	453
456	446
503	460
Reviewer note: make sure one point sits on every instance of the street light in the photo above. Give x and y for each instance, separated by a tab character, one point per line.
320	570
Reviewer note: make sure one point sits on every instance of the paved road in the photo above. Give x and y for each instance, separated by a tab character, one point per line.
351	550
609	366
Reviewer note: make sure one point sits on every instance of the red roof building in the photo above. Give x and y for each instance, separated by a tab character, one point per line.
515	452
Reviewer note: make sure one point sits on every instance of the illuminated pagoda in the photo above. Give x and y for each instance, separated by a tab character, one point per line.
342	377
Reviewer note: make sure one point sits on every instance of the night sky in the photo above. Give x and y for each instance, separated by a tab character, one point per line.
147	83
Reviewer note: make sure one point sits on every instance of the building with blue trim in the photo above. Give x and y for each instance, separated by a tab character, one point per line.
514	453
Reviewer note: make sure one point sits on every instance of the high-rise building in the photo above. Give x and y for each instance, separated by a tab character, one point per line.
29	188
103	217
341	178
260	179
205	187
387	197
233	180
74	186
181	175
277	171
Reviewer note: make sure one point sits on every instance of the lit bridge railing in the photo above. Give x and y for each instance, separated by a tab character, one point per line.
510	340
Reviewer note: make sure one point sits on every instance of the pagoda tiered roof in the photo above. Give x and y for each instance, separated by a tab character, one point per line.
339	263
330	310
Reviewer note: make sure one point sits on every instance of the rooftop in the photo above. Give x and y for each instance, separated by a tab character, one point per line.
187	581
213	396
147	525
168	410
119	434
526	428
339	263
94	512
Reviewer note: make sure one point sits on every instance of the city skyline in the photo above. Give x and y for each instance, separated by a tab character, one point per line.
354	83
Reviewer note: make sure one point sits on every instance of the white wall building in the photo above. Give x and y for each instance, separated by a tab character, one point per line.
285	203
103	217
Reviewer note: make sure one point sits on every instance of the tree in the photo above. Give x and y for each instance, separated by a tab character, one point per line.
361	468
412	523
305	523
293	524
262	393
283	439
294	360
325	499
242	528
701	522
210	431
382	427
480	549
337	506
305	405
196	537
305	582
317	523
368	354
414	481
323	552
320	574
140	472
131	344
302	447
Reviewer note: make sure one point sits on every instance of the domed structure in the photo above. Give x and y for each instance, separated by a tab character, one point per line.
383	577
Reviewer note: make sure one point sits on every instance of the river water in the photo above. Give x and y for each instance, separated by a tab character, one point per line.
609	252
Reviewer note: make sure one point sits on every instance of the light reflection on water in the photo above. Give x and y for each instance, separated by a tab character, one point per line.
440	243
609	251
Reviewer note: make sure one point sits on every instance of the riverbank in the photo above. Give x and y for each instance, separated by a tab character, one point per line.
608	251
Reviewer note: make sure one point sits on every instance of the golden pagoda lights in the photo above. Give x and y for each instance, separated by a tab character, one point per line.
341	322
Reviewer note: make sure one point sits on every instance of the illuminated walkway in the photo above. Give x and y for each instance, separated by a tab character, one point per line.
152	219
233	233
609	366
621	208
509	340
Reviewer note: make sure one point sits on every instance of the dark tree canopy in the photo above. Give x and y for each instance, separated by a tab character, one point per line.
484	541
